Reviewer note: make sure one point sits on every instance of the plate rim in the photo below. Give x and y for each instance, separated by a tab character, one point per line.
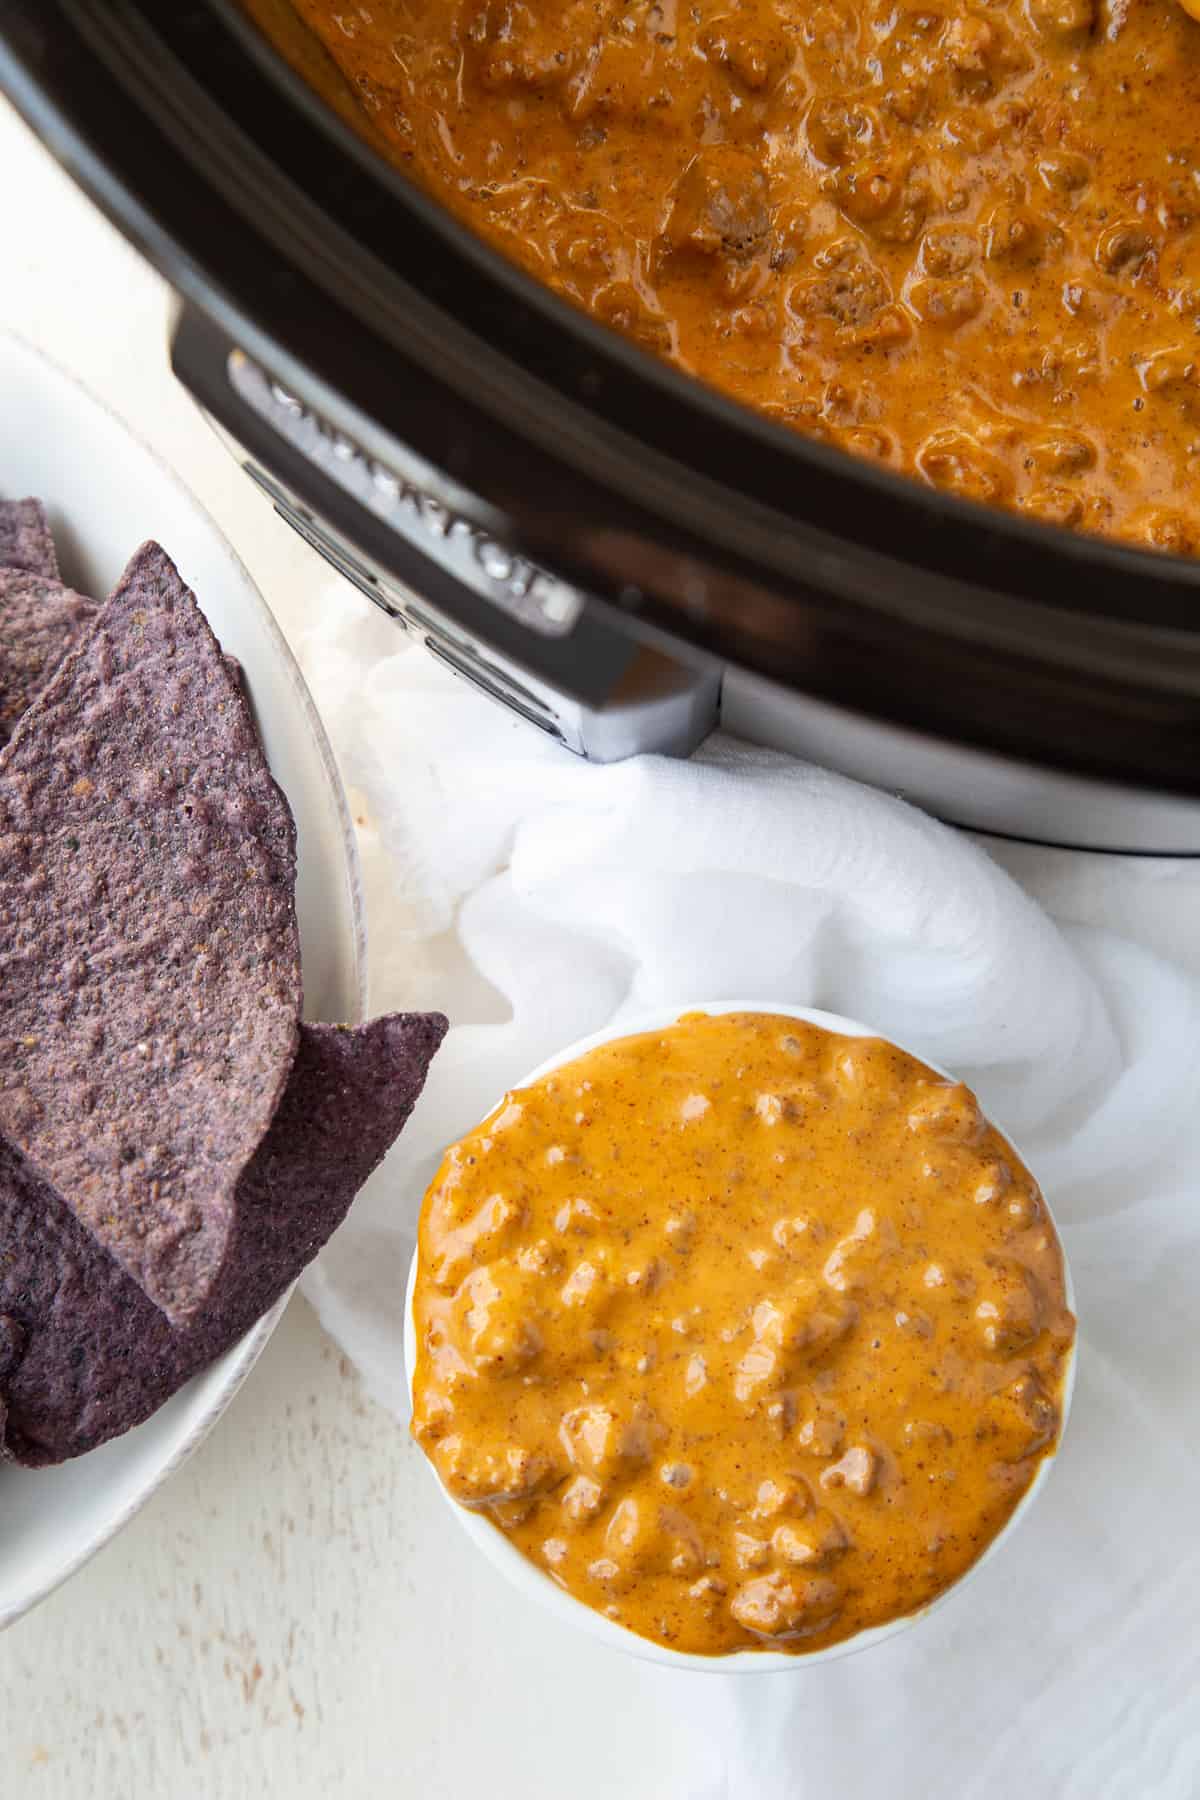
238	1361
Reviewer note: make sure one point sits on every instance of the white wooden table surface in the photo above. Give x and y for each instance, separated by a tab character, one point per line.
294	1614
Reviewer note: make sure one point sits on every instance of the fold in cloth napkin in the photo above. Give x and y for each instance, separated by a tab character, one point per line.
535	898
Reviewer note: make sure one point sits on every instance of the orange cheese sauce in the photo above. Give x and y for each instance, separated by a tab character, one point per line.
748	1334
960	237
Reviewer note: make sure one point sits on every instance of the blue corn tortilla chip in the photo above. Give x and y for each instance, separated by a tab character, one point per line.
150	985
40	621
84	1355
25	540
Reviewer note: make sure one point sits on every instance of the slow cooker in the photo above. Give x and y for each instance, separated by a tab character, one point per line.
618	555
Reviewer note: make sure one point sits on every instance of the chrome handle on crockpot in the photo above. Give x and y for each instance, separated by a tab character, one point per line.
426	553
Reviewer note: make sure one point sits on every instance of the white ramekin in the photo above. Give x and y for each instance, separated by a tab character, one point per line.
531	1580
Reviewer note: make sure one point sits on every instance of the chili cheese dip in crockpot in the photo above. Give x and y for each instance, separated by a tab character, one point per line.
957	236
749	1334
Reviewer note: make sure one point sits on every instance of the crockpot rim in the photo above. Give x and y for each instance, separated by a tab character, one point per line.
752	438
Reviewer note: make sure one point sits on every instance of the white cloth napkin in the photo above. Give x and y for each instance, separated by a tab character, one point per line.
534	898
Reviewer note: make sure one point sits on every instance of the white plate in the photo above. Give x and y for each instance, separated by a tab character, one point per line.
107	492
538	1585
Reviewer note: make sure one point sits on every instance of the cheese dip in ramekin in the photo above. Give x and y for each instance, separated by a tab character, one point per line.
747	1332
